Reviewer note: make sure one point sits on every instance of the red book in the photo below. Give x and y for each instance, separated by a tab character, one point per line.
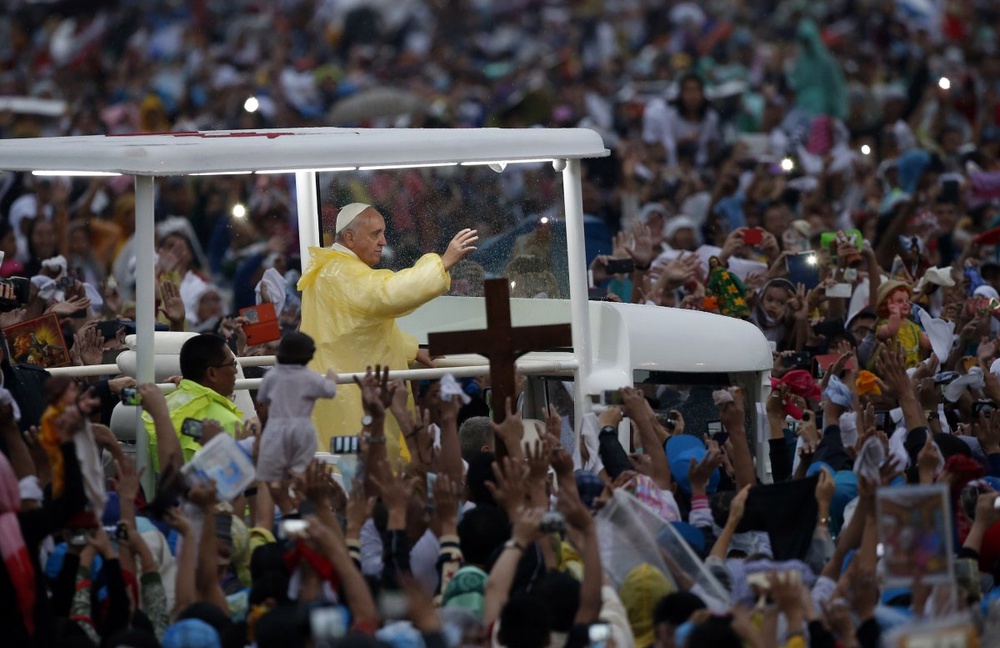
262	325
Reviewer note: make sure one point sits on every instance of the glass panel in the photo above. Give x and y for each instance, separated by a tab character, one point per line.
518	213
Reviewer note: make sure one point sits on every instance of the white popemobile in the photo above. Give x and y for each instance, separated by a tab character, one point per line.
614	344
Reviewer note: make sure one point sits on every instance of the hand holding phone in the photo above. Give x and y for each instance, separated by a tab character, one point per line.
753	236
620	266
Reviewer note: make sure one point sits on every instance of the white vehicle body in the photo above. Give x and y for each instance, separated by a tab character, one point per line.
611	342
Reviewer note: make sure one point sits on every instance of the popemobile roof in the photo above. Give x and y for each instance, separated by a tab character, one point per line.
292	149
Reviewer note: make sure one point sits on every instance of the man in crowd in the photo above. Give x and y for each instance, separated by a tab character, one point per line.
208	376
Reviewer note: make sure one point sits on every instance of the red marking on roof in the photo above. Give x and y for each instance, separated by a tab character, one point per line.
202	135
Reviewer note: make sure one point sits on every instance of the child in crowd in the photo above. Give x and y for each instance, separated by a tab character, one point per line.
290	389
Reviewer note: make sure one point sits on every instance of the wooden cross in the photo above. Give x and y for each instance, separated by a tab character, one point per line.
502	344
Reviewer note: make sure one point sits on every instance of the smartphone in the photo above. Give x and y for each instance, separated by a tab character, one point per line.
799	360
327	624
430	479
803	269
78	539
131	397
108	329
392	605
291	528
344	445
620	266
192	428
882	420
121	532
753	236
598	634
614	397
714	427
840	291
828	239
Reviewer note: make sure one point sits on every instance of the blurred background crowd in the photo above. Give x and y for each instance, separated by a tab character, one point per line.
829	171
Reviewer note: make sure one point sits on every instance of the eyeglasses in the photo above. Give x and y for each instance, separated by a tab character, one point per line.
232	364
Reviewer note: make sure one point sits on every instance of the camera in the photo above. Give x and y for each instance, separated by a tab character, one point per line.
131	397
552	522
22	293
983	407
65	282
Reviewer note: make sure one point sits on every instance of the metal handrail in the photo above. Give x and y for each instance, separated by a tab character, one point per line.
457	370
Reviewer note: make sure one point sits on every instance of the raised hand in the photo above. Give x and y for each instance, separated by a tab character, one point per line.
171	304
511	431
700	472
509	486
371	396
460	247
359	509
88	345
641	249
128	479
69	307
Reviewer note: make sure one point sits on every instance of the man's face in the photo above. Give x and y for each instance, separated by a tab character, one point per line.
367	238
222	378
862	326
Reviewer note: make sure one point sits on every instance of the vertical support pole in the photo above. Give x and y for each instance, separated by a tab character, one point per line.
307	208
145	310
578	293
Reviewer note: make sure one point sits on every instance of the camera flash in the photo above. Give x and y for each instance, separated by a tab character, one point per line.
787	165
251	104
944	83
239	211
866	150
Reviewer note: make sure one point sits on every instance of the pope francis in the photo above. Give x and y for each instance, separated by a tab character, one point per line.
350	309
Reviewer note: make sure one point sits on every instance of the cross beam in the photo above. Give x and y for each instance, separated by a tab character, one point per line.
501	343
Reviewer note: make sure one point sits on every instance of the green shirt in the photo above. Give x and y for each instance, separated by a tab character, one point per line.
195	401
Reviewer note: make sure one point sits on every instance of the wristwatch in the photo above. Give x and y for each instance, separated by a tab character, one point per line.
513	544
366	420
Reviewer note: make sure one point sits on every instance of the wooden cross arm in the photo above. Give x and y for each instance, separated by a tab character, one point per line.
522	340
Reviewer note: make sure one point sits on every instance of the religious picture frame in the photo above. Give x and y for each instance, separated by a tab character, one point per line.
37	341
915	534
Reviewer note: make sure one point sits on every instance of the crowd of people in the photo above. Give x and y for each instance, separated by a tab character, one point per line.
827	171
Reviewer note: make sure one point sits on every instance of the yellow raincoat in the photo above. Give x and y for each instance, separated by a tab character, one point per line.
350	311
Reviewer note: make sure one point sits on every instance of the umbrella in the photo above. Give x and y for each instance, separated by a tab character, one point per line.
377	102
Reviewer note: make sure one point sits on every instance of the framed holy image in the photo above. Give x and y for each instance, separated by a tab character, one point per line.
915	533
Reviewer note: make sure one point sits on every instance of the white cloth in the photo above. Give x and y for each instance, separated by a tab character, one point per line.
275	289
47	288
193	288
940	333
450	388
870	459
973	380
588	433
56	263
91	468
30	489
8	399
